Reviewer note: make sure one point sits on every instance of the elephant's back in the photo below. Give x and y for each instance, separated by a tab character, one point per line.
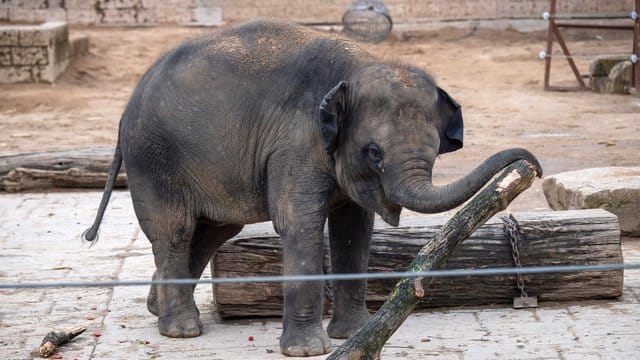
220	102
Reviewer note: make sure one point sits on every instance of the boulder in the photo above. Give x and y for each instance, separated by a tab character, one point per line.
610	74
602	65
619	78
615	189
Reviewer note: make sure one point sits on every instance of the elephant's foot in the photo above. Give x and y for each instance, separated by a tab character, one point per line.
305	342
344	326
181	325
152	301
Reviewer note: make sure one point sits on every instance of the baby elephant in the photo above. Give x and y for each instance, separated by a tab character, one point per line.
273	121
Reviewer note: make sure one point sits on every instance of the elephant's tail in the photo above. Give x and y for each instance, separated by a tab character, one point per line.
91	234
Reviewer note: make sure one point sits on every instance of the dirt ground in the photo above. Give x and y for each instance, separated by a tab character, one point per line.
495	75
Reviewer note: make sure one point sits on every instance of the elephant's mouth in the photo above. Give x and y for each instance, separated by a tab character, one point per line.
389	212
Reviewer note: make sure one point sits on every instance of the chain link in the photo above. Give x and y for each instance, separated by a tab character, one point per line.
511	226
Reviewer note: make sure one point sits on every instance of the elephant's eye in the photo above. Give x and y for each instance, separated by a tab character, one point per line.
374	153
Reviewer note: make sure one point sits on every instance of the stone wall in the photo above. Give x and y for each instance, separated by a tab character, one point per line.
207	12
32	53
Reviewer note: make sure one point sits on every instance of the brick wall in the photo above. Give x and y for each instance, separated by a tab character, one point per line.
318	11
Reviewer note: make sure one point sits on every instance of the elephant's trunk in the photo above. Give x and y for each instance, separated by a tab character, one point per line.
417	193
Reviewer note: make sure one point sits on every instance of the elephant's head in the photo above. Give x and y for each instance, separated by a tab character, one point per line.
385	127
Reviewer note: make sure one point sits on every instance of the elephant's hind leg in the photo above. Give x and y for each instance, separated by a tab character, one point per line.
171	231
207	238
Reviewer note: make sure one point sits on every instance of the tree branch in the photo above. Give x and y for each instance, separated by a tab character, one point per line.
368	342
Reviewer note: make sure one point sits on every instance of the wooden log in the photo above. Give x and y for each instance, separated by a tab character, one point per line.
81	168
576	237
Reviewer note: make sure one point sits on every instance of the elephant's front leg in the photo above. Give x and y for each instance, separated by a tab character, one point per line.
350	228
303	334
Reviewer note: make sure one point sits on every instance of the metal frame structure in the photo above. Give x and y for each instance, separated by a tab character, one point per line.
554	31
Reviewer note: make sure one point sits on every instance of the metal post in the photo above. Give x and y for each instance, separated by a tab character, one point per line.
555	31
635	68
547	60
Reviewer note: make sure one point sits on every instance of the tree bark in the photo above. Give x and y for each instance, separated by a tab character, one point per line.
368	342
81	168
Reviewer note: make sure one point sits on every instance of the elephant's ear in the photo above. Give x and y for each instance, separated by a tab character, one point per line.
332	108
451	127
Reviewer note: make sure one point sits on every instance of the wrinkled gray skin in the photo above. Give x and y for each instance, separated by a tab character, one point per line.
271	121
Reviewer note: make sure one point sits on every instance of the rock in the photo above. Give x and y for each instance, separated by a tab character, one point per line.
602	65
619	78
598	83
615	189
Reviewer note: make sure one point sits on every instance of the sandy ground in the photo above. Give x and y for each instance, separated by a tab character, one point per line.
495	75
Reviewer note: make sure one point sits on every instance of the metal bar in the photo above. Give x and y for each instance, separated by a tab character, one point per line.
547	61
592	16
544	55
572	63
329	277
593	26
635	68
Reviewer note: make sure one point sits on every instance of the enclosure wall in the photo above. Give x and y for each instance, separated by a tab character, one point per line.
135	12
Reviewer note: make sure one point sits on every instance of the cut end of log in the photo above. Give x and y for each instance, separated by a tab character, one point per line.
46	349
512	177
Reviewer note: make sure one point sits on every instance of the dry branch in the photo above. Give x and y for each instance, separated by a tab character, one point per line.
368	342
55	339
81	168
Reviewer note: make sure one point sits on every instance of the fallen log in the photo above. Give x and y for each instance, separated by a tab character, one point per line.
80	168
576	237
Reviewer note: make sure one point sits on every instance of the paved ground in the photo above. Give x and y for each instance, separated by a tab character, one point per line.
39	238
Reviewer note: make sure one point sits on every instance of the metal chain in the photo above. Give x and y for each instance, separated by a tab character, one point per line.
511	226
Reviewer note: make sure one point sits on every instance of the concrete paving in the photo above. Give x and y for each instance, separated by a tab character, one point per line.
40	241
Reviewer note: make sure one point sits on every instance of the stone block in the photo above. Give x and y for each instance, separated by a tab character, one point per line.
207	16
82	16
30	4
30	55
36	52
16	74
45	34
5	56
619	78
612	6
577	6
178	16
118	16
615	189
149	16
34	16
539	7
602	65
9	36
515	8
79	5
481	9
